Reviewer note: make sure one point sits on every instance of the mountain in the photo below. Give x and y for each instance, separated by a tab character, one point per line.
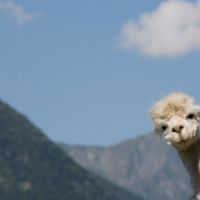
34	168
145	164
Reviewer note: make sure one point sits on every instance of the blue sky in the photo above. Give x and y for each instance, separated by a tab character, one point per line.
66	67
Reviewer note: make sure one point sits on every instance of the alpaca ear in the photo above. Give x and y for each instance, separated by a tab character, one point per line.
151	113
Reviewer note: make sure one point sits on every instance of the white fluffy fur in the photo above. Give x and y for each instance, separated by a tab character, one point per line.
176	118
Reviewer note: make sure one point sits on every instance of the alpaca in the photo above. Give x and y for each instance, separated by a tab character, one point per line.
176	118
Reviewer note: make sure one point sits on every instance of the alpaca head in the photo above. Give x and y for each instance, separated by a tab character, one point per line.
176	118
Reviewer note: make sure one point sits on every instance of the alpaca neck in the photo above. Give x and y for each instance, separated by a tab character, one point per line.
191	160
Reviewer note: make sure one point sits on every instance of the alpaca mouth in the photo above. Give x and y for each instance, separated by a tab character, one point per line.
185	142
188	137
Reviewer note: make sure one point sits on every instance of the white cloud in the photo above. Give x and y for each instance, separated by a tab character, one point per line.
21	16
172	29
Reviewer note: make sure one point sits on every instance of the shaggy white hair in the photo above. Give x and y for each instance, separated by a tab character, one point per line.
176	118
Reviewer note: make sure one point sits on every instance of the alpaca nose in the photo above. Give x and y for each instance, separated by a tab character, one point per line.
177	128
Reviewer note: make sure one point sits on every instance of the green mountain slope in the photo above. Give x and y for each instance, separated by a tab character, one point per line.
145	165
33	168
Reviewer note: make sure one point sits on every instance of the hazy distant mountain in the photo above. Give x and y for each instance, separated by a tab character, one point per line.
33	168
145	165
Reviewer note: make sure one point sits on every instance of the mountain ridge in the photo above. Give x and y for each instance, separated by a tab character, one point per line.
144	163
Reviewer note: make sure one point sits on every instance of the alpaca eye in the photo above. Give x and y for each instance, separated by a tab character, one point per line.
164	127
191	116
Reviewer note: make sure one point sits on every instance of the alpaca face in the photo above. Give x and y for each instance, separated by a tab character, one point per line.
176	118
181	131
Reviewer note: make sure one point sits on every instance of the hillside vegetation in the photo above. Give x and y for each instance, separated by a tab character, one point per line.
34	168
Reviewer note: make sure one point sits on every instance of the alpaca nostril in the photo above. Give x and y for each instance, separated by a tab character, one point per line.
177	129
